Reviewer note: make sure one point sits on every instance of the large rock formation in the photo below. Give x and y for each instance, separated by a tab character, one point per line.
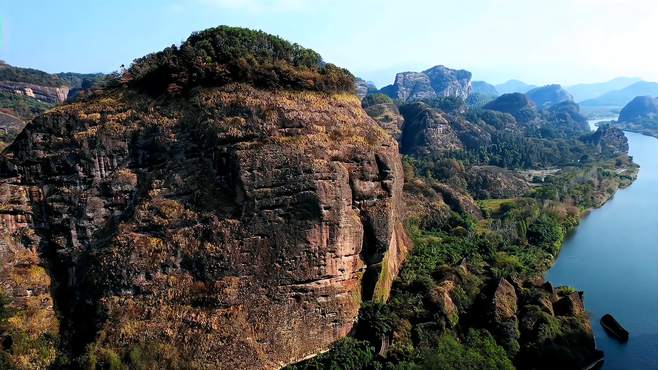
516	104
426	131
224	227
364	88
410	86
10	126
383	110
640	108
435	82
608	140
48	94
549	95
481	87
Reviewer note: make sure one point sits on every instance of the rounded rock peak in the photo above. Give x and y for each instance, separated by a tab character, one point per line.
223	55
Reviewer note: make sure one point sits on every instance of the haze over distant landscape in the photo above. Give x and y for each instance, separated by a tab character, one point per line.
538	42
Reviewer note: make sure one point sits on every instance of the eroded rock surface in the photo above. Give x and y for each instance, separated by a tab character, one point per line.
236	228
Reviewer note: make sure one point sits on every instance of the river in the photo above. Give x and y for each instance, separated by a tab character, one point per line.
613	257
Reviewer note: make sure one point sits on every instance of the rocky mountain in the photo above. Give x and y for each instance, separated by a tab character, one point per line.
381	108
640	108
516	104
240	225
26	92
583	92
201	211
549	95
481	87
640	115
426	131
514	86
432	83
615	100
608	140
364	88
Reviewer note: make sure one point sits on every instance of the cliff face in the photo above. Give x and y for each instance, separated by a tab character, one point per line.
426	131
435	82
235	227
48	94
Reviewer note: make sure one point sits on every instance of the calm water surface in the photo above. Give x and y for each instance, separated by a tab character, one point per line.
613	257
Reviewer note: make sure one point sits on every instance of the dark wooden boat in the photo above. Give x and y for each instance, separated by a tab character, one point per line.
614	328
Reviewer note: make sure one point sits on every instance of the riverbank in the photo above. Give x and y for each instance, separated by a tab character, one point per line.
611	256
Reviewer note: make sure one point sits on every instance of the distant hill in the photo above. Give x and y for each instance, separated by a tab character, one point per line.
484	88
582	92
514	86
549	95
619	98
640	115
642	107
26	93
436	82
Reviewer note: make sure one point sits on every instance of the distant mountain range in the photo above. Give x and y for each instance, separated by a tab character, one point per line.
602	98
619	98
583	92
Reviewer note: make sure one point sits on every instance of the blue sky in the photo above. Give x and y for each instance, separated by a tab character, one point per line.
538	41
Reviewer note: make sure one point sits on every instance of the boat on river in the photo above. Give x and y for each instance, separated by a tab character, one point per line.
614	328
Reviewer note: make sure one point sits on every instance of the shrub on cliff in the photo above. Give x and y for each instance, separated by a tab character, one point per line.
222	55
479	351
374	99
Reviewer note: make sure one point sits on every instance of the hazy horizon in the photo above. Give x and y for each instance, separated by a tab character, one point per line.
564	41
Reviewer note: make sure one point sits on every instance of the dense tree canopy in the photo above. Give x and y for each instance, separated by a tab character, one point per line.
222	55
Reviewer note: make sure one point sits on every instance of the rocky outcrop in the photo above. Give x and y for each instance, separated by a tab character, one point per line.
432	83
10	126
504	322
640	108
549	95
608	140
48	94
234	227
383	110
486	182
450	82
481	87
426	131
364	88
516	104
410	86
555	329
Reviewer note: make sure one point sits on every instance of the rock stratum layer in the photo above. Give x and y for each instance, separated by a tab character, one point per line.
46	94
234	227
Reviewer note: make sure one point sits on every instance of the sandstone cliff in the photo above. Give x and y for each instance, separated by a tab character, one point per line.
435	82
228	227
48	94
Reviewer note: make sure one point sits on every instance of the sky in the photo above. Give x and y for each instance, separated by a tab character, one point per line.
537	41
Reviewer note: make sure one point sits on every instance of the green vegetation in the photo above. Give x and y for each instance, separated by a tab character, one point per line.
222	55
346	354
454	252
646	126
29	75
24	106
479	351
374	99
